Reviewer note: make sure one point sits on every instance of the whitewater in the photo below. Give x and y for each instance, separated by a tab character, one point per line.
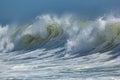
61	48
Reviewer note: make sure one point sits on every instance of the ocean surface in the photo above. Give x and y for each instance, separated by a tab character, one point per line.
59	40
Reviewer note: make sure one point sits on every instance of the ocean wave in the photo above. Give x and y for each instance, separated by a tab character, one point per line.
77	35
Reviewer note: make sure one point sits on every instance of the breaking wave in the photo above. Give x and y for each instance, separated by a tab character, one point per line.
76	35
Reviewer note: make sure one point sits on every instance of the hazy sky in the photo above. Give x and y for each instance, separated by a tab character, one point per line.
26	10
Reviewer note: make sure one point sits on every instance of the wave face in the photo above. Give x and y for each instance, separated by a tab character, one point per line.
61	48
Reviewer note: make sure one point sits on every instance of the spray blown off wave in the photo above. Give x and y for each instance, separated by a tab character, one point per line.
65	48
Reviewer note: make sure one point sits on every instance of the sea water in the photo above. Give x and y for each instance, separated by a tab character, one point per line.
59	40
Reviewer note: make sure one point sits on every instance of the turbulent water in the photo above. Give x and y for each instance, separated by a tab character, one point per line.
61	48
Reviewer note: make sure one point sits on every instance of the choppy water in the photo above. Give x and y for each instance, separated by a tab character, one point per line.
61	48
